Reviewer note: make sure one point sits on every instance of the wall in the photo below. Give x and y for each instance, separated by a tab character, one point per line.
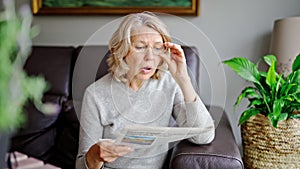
234	28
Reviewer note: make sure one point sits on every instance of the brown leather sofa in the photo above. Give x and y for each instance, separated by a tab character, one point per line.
69	70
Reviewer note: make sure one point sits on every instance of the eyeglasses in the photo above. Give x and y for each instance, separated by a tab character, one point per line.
156	49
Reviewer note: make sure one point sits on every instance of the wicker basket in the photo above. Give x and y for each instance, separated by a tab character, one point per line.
267	147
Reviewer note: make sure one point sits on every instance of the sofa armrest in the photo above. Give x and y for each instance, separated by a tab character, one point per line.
221	153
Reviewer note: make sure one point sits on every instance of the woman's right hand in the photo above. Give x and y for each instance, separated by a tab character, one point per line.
105	152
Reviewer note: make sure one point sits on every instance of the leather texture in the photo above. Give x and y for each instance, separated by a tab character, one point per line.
221	153
69	70
54	63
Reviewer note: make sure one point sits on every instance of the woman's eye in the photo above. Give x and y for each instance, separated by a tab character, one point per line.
140	47
159	48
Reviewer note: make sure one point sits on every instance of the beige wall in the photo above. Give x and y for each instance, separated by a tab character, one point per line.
234	27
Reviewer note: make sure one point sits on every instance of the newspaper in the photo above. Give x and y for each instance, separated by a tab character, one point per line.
148	136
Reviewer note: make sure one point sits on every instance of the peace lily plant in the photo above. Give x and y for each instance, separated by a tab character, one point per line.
275	96
16	87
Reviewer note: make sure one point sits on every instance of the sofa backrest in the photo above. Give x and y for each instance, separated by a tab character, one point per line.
54	63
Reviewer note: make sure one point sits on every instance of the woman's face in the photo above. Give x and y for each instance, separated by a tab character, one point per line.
143	57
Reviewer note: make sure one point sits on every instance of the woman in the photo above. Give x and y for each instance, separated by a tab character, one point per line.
138	91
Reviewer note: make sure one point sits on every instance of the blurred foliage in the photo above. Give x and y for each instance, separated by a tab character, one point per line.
16	87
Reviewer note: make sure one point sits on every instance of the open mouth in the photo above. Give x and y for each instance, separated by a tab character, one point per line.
146	69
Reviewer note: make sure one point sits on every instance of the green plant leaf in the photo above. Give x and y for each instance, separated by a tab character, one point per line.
245	68
256	102
277	107
295	116
294	77
247	114
248	92
271	75
278	84
283	116
273	120
269	59
286	88
297	97
296	63
272	95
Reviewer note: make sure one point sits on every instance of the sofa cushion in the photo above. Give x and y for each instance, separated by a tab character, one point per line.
66	143
37	135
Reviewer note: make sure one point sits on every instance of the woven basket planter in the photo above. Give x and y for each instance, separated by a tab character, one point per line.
265	146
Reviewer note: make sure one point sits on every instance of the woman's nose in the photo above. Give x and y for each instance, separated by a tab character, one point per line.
149	54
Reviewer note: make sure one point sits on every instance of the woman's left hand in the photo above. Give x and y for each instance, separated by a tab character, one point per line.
176	62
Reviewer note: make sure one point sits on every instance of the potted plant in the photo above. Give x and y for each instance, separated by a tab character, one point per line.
270	125
15	85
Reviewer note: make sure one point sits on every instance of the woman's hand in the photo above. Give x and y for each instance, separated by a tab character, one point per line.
176	62
104	151
178	68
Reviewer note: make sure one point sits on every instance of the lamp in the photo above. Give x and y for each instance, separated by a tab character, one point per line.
285	43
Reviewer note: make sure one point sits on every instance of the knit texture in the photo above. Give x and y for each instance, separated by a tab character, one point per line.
109	105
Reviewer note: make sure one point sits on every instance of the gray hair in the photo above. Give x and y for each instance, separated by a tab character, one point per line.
120	42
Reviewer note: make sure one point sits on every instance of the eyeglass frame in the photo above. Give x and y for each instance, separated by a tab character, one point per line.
144	49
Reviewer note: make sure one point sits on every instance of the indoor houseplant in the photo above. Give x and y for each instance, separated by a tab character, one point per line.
270	124
15	85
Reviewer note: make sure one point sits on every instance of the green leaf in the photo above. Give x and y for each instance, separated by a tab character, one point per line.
277	107
269	59
245	68
278	84
263	74
273	120
296	63
256	102
292	98
286	88
297	97
295	116
271	75
248	92
247	114
283	116
294	77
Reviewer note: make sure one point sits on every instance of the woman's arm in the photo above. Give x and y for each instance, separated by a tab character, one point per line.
189	111
90	128
93	150
178	68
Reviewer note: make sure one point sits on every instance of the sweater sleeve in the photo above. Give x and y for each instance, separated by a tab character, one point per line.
91	129
194	114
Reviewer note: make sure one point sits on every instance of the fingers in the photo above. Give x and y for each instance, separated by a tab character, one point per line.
175	49
109	151
175	53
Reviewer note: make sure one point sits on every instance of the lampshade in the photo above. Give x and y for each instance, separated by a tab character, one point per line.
285	42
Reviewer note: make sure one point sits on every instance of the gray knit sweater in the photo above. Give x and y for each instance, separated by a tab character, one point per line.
109	105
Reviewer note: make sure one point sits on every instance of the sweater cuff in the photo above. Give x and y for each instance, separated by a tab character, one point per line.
86	166
84	162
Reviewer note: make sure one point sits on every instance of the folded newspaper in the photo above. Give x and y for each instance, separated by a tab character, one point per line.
148	136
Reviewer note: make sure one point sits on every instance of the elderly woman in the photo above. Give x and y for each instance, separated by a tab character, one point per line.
147	84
